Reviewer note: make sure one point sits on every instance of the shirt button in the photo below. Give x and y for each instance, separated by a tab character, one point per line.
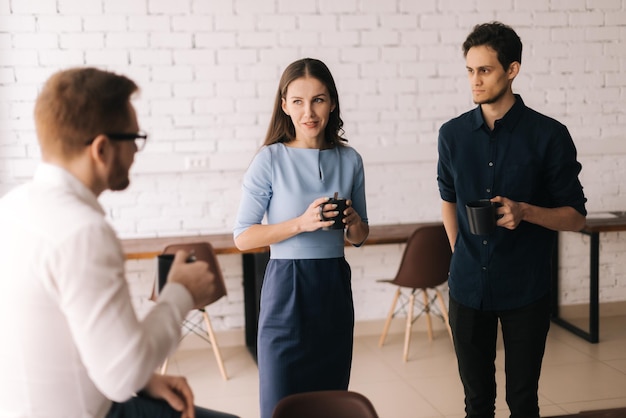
488	190
485	242
490	163
484	268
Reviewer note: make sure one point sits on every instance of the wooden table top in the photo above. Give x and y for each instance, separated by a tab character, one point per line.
605	222
142	248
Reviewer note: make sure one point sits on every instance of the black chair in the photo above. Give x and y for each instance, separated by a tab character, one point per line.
326	404
201	251
425	265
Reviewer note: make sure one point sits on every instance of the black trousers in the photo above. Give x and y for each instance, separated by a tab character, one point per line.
145	407
524	333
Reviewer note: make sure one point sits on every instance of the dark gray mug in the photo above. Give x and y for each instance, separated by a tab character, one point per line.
164	264
341	206
482	216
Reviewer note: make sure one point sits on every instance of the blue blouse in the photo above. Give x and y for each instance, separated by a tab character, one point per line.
283	181
528	157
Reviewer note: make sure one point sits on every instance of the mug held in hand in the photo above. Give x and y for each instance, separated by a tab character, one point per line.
482	216
164	264
341	207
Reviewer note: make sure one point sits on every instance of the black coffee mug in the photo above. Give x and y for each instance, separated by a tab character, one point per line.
164	264
482	216
341	207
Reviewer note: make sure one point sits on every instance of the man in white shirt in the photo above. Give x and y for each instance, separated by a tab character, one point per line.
72	345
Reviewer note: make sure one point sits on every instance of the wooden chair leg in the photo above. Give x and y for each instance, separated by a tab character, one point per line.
407	330
444	313
163	369
216	348
383	336
429	322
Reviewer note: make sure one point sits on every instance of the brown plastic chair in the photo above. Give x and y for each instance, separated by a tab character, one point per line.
203	251
327	404
424	266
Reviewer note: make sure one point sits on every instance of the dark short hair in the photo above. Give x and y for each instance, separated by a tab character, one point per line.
499	37
77	104
281	127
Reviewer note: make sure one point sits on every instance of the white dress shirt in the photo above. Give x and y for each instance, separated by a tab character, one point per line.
71	340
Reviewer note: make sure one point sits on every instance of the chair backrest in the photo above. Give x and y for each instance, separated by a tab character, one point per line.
203	251
327	404
426	259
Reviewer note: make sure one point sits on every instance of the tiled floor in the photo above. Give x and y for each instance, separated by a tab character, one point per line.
576	375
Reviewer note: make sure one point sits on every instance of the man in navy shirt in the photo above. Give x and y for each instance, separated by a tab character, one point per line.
525	161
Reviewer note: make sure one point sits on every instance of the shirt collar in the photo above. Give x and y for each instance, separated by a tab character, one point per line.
508	121
59	177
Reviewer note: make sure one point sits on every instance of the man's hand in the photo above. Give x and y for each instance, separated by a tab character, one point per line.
174	390
510	214
196	277
564	218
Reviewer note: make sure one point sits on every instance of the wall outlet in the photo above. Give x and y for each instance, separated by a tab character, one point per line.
196	162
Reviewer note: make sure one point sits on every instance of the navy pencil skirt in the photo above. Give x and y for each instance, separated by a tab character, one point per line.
306	325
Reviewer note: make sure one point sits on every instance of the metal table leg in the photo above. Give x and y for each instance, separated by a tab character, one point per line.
253	273
593	335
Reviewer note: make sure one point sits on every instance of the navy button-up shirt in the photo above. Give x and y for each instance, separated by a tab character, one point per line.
528	157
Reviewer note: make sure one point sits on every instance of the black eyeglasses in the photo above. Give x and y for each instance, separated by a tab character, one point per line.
140	138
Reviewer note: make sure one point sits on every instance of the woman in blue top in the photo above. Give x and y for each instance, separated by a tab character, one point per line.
307	316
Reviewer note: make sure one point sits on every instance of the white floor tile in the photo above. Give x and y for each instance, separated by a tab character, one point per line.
576	375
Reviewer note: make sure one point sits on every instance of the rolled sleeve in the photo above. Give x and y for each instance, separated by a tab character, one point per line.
445	179
562	172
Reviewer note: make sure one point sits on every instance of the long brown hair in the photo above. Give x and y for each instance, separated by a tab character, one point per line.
281	127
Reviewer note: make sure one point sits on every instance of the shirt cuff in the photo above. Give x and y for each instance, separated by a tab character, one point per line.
177	295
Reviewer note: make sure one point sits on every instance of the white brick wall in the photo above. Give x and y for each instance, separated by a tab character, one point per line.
209	69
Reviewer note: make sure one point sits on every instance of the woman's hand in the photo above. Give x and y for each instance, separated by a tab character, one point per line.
311	219
351	217
356	230
261	235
